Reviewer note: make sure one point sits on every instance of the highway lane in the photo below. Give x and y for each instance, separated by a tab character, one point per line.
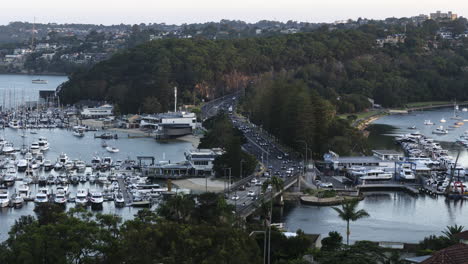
258	144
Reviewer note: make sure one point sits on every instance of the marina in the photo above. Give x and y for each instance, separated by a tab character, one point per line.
391	207
47	156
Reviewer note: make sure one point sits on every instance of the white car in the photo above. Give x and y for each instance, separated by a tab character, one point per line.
254	181
251	193
235	197
280	157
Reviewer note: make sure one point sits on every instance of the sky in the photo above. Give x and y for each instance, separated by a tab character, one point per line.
109	12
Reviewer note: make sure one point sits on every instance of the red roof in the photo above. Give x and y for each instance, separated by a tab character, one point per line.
456	254
462	235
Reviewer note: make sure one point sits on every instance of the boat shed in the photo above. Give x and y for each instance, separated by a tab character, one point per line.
386	154
341	163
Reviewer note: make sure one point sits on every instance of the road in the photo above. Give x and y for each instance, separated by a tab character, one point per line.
259	144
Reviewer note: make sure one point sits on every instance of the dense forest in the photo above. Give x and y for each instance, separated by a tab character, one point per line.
343	65
295	85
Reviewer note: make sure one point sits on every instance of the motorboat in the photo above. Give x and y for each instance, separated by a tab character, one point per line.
443	120
464	109
440	131
95	162
119	199
407	174
81	197
69	165
96	198
42	180
39	159
17	201
63	158
22	165
8	148
107	161
14	124
35	148
28	157
376	174
80	165
34	165
428	123
58	166
48	165
112	149
9	177
4	198
42	196
43	143
24	191
60	196
78	133
51	179
39	81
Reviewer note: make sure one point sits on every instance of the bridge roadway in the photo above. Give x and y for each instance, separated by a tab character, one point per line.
245	194
252	205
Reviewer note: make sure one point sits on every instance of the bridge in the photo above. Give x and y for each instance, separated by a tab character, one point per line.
253	205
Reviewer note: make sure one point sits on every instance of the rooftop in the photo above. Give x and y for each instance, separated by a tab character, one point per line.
387	152
456	254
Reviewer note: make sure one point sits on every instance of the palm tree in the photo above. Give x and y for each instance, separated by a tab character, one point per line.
451	231
277	184
348	212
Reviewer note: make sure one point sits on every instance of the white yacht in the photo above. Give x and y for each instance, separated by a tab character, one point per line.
96	198
69	165
43	143
22	164
376	174
80	165
407	174
14	124
95	162
63	158
8	148
48	165
81	197
107	161
18	201
60	196
428	123
443	120
440	131
24	191
78	133
35	148
112	149
119	199
28	157
42	196
4	198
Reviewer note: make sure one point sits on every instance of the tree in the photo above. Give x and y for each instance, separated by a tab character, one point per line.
348	213
451	231
151	105
332	242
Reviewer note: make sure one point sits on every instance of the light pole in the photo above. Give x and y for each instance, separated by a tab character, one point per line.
305	157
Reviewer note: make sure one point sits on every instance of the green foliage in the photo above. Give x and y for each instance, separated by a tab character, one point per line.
222	134
348	212
434	243
333	242
199	232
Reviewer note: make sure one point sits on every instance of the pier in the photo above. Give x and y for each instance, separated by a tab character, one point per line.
126	194
388	186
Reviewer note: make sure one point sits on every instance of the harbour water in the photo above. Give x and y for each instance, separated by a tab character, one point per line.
395	216
15	88
82	148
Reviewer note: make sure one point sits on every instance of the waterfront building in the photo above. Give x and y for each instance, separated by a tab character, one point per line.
198	163
381	158
96	112
170	125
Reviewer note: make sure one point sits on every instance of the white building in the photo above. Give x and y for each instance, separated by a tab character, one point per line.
202	160
96	112
177	118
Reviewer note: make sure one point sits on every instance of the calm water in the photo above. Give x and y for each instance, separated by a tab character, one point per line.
85	148
15	89
394	216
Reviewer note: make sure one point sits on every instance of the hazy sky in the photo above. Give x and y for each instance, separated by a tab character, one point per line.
190	11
